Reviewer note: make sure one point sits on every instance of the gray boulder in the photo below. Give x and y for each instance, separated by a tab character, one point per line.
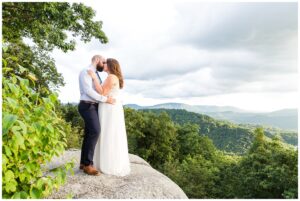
143	182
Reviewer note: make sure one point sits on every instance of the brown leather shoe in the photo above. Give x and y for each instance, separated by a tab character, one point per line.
90	170
81	166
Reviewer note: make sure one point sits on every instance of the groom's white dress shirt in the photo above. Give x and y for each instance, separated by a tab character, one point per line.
87	88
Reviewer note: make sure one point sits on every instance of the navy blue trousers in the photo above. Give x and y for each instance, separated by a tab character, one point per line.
89	112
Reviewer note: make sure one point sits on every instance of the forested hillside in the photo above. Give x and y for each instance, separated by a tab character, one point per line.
224	134
267	169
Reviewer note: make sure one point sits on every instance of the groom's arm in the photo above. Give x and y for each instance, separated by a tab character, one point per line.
87	84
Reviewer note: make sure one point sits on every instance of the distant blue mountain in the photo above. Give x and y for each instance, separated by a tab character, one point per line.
284	119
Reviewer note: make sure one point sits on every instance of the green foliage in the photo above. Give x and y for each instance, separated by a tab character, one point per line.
225	185
288	136
202	171
36	61
192	144
135	124
33	130
226	136
71	115
47	25
195	174
269	170
198	177
189	159
156	138
32	134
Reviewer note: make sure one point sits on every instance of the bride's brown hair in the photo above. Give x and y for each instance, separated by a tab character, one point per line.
114	68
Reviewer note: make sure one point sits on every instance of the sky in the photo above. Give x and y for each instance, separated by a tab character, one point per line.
225	54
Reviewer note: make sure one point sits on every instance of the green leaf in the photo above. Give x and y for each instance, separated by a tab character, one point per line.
30	167
19	139
35	193
4	62
34	97
32	77
62	132
24	195
31	140
17	195
24	83
7	122
51	129
12	102
5	69
14	58
13	89
22	69
8	176
7	151
15	129
4	47
10	182
4	160
53	98
11	186
23	126
40	183
35	150
22	177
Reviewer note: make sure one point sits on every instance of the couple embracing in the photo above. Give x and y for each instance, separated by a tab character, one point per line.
104	147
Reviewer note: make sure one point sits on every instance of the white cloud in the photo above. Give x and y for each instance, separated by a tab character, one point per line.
193	52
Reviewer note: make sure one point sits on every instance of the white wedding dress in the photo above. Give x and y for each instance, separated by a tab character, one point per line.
111	151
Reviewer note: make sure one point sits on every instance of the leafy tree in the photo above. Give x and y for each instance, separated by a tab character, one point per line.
195	175
47	25
159	143
228	177
191	143
135	125
71	114
269	170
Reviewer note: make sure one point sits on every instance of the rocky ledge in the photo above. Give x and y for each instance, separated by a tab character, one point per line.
143	182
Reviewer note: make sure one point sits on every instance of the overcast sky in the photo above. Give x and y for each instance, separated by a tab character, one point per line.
234	54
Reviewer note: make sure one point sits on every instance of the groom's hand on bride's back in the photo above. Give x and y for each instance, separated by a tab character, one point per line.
111	100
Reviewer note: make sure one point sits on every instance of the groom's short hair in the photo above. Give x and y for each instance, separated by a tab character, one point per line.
97	57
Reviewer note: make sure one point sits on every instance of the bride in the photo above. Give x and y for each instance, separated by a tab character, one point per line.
111	152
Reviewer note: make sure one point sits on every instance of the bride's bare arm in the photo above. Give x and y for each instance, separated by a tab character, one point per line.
107	85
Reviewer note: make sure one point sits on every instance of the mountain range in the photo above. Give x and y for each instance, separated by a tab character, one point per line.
284	119
227	136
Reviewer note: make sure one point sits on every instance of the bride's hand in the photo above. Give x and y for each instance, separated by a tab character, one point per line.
92	74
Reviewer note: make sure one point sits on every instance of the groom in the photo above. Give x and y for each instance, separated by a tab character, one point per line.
88	109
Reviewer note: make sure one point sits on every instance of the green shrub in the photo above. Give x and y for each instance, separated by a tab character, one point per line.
32	133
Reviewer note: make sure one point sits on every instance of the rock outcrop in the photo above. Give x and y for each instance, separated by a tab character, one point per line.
143	182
